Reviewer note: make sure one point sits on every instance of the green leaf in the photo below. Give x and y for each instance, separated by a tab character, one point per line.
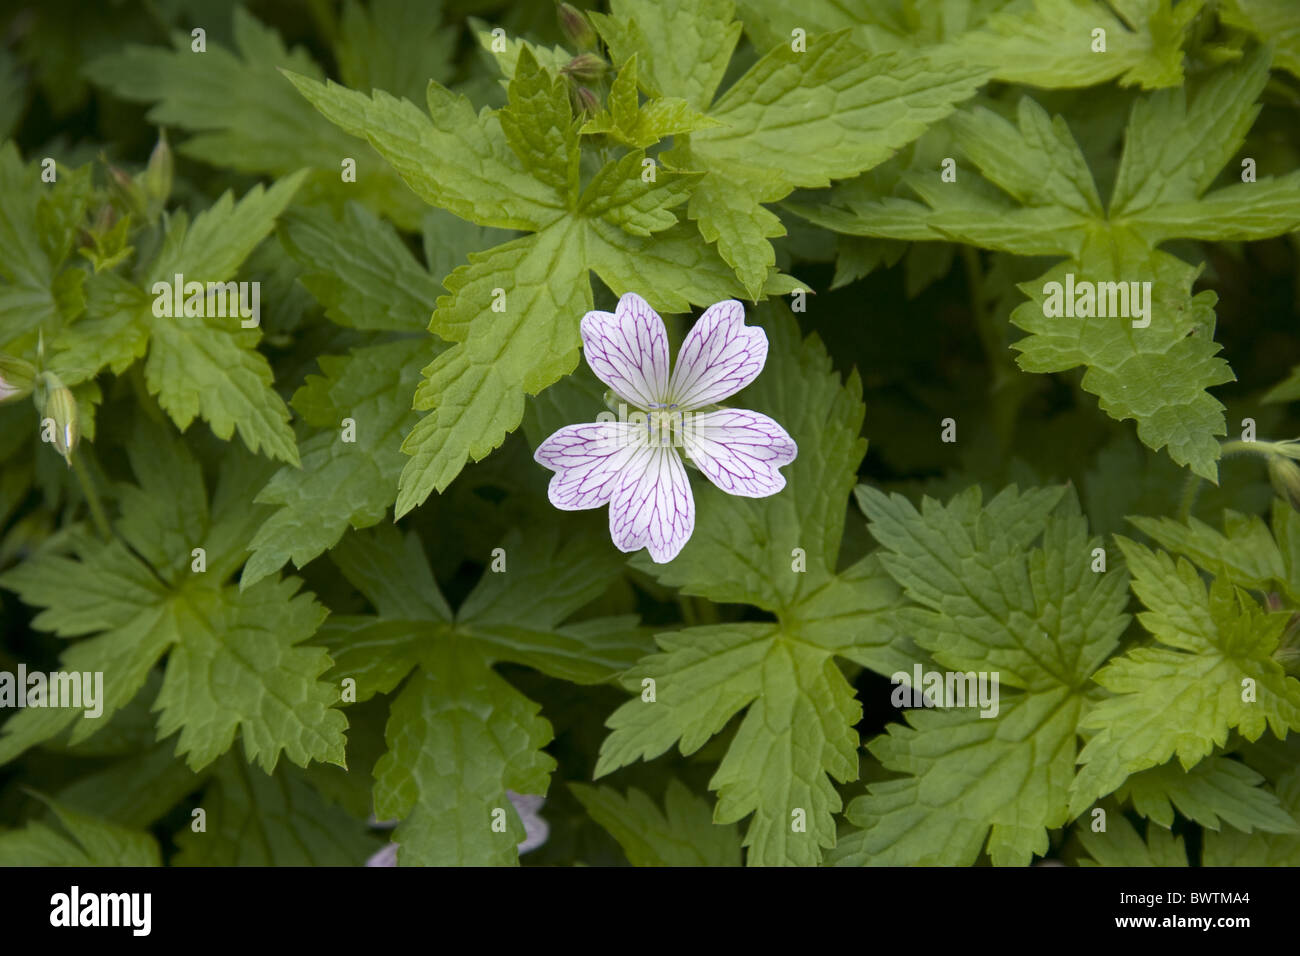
1271	22
246	117
1120	845
1211	671
360	270
1033	618
256	819
1174	149
459	736
1038	198
394	45
1244	549
1159	375
618	195
780	553
197	366
538	124
1053	46
341	484
236	660
629	122
1215	789
476	390
682	834
84	841
477	175
683	47
38	223
1260	848
774	137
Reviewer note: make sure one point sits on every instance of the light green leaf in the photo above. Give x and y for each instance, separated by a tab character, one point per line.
476	389
477	175
988	606
1053	46
1211	671
629	122
459	736
683	46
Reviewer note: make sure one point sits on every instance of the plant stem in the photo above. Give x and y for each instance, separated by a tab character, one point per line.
1191	491
96	507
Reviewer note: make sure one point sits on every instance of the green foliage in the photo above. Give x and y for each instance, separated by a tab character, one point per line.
427	204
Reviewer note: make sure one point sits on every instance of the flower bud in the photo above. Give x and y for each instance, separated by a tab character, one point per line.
585	68
126	189
17	378
157	179
585	102
1285	476
60	423
576	27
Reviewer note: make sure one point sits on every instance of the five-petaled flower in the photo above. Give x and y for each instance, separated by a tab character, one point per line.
626	465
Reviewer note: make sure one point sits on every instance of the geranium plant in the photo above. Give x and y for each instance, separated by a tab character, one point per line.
671	432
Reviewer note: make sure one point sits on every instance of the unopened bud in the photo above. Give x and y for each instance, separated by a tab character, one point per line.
59	412
576	27
126	189
157	178
585	102
104	219
1285	476
17	378
585	67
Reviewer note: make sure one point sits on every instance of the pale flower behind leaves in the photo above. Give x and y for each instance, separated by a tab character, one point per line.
527	805
627	464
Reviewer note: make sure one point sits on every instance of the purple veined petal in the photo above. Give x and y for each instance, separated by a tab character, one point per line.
385	857
719	357
739	450
536	829
653	507
587	460
628	350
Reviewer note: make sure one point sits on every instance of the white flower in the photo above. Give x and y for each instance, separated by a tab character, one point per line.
628	464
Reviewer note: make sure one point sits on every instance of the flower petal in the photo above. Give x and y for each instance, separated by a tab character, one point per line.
719	357
587	459
536	829
653	507
385	857
628	350
739	450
